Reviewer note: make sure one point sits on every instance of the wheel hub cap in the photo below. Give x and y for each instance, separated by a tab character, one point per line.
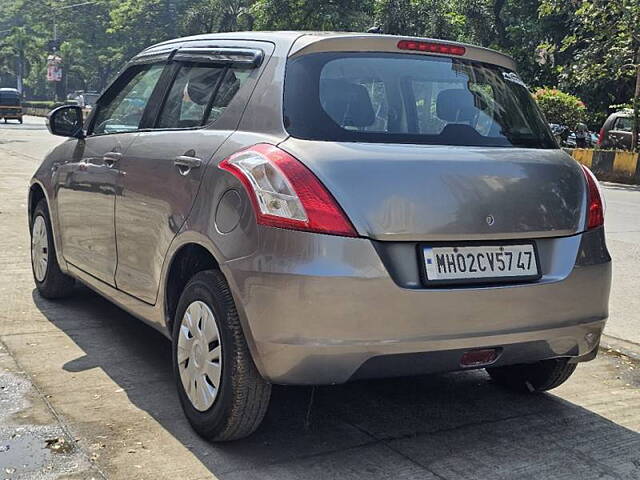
39	248
199	355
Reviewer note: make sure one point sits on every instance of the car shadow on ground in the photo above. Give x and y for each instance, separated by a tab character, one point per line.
457	425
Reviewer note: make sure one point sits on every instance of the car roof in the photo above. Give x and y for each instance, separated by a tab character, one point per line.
302	42
623	113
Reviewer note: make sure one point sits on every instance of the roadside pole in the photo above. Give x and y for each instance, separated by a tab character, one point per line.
636	109
54	61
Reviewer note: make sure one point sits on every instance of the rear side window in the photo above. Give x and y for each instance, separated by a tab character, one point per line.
199	95
623	124
408	98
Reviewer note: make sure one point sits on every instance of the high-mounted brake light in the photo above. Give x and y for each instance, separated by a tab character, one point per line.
285	193
431	47
595	206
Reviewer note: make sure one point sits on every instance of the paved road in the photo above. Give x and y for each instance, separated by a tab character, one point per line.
622	223
84	371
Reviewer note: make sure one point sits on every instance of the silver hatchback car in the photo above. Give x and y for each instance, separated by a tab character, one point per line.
309	208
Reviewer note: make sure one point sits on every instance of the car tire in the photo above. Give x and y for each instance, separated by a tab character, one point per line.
235	407
49	279
533	377
20	120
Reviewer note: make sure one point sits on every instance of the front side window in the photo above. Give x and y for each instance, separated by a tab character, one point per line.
199	95
408	98
123	112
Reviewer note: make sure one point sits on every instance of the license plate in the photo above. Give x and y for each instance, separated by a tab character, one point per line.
481	263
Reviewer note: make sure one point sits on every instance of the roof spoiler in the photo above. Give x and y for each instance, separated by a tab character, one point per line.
389	44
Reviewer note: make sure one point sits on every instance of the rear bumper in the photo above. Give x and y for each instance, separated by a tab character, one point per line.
322	309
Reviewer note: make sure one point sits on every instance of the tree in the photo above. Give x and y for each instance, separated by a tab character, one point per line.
559	107
15	50
397	17
353	15
600	50
589	48
217	16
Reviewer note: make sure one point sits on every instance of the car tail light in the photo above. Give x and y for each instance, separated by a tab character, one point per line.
476	358
431	47
285	193
601	136
595	205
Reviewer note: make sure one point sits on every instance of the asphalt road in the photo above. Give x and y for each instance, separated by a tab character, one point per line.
622	224
83	373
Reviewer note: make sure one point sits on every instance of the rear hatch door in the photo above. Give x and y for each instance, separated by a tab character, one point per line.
422	192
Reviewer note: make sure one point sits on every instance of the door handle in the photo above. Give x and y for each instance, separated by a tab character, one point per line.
111	158
186	163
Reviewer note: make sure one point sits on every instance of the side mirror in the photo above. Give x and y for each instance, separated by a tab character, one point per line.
66	121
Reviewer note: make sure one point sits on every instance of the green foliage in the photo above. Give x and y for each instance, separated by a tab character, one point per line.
587	48
312	14
599	48
559	107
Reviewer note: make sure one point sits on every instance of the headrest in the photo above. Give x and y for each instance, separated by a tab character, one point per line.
202	83
348	104
456	105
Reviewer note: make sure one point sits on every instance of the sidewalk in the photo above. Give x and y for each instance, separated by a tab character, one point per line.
34	443
85	371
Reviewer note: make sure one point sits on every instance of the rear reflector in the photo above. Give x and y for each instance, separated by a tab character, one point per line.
431	47
285	193
595	207
476	358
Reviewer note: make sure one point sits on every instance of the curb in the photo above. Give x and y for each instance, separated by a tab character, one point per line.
612	165
618	346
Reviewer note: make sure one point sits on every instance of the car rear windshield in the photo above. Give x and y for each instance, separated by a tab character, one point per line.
9	99
405	98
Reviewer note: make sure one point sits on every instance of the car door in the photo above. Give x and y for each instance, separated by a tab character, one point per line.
164	165
88	182
620	134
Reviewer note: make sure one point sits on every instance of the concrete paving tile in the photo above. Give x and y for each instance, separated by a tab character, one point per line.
284	435
523	448
367	462
407	406
26	424
109	379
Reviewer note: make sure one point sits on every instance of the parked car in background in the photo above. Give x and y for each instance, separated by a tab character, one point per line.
89	99
591	140
10	104
561	134
309	209
567	138
617	131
